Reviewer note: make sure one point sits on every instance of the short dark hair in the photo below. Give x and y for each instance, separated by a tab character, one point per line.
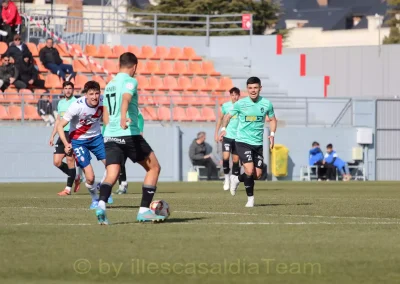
234	90
127	59
253	80
5	55
68	83
315	143
329	146
91	85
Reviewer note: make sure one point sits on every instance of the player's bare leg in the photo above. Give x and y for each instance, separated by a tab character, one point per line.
112	173
68	169
225	164
152	167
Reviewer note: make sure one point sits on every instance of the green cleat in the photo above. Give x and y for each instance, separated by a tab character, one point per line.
149	216
102	217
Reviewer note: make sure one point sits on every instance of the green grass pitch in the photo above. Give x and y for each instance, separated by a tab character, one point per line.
297	233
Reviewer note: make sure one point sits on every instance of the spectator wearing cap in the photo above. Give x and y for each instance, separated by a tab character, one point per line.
9	75
52	61
11	19
18	49
28	73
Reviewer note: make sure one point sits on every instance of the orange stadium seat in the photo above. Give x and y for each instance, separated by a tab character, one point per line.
14	112
190	98
172	84
196	68
106	52
40	46
161	99
152	67
174	53
164	113
212	83
32	48
136	50
194	114
27	96
3	113
208	113
81	66
53	82
79	81
181	68
189	54
91	50
155	83
142	69
39	65
208	68
166	67
158	83
111	66
198	83
3	47
147	51
161	53
30	112
184	82
118	50
225	83
143	83
99	80
76	47
178	100
62	50
149	113
205	98
95	69
179	114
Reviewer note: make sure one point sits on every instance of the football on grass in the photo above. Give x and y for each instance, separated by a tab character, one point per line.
160	207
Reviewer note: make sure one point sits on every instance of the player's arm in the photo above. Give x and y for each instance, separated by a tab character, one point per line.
218	126
53	132
140	122
272	125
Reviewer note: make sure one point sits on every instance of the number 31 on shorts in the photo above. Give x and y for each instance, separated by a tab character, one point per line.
79	151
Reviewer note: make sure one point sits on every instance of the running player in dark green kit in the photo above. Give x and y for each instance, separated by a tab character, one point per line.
123	140
252	112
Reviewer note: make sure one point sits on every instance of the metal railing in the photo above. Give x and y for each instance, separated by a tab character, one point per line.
103	22
289	111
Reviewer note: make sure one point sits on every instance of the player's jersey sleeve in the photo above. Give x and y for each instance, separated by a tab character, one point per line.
270	110
236	109
129	87
72	111
140	121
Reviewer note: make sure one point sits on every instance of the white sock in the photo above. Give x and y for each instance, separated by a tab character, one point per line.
92	191
68	188
143	209
102	205
250	198
227	176
104	176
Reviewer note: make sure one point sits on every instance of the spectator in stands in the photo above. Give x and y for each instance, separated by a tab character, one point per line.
52	61
9	75
3	33
198	156
316	158
11	19
28	73
332	158
45	110
18	49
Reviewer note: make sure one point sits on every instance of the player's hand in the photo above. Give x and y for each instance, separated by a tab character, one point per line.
124	122
221	135
216	138
51	141
207	156
271	142
68	149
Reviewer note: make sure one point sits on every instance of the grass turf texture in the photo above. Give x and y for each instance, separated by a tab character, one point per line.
297	233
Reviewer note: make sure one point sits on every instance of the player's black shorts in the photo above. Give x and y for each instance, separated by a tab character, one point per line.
250	154
229	145
59	146
118	149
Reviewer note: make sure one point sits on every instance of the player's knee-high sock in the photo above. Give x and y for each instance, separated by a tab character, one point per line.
105	192
147	197
236	169
71	177
242	177
64	168
122	175
249	185
92	191
225	164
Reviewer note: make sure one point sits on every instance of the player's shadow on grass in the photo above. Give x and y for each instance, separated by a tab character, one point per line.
278	204
123	207
169	220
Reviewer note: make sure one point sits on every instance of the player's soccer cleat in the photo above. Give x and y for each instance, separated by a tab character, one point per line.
227	183
149	216
65	192
94	205
122	189
101	216
250	202
77	183
234	184
110	200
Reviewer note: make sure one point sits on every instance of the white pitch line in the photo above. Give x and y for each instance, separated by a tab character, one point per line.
218	213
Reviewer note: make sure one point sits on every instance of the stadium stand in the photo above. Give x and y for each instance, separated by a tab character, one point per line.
172	81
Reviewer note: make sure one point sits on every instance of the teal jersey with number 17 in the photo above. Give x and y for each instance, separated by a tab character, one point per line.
121	84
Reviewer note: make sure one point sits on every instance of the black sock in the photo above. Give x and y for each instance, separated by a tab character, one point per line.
249	185
105	191
64	168
147	196
225	164
241	177
122	174
71	177
236	169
